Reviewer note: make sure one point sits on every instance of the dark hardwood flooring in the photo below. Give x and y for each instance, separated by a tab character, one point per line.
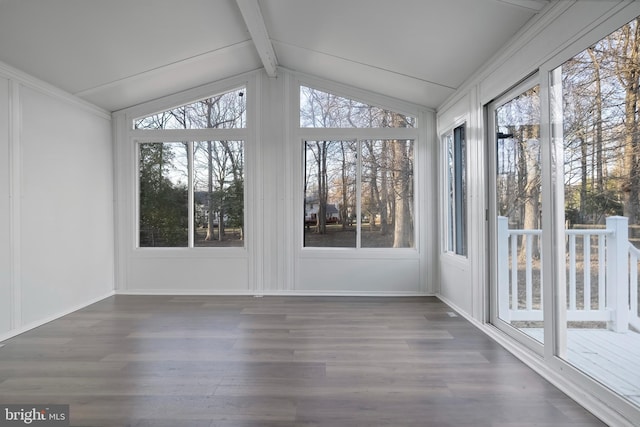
192	361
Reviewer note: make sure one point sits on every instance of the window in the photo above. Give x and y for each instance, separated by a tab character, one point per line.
320	109
218	193
366	203
456	189
330	188
517	203
358	192
164	206
210	174
387	193
191	193
225	111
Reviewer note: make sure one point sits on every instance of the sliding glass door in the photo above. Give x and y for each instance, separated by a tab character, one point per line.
596	131
564	214
515	211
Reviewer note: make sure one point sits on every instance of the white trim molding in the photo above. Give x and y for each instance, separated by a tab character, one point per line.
46	88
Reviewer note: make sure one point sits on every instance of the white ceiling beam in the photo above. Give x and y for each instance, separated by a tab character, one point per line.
250	10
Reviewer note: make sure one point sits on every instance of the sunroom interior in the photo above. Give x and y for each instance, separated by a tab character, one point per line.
261	147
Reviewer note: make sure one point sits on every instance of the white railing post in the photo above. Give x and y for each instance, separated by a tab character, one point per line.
618	273
634	318
503	268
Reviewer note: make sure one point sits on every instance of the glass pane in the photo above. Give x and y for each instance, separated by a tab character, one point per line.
218	181
225	111
518	199
450	192
387	194
330	194
598	126
163	209
460	185
455	170
320	109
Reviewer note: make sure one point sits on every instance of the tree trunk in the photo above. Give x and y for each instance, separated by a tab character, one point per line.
345	188
323	191
583	180
384	193
210	204
599	182
210	216
531	180
630	73
402	235
221	222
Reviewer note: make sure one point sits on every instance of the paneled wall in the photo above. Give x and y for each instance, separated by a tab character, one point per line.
5	211
56	203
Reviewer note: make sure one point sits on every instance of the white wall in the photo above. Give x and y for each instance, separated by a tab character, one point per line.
5	210
345	274
455	270
56	203
273	261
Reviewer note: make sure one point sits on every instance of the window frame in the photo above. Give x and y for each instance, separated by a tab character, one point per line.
242	89
491	130
453	218
140	136
553	199
555	296
303	134
336	94
359	168
191	189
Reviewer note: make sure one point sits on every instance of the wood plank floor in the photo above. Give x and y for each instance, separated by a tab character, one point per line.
186	361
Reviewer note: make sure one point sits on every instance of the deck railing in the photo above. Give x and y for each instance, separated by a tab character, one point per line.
602	275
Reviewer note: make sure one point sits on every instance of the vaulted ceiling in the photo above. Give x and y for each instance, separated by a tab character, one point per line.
118	53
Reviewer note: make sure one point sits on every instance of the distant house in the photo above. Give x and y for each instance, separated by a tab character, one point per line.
201	210
311	208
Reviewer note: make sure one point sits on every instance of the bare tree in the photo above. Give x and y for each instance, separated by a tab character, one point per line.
403	222
386	184
628	72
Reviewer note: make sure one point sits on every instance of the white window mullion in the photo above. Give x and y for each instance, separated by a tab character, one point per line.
190	196
554	279
359	193
136	186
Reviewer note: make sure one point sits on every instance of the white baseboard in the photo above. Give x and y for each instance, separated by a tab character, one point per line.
180	292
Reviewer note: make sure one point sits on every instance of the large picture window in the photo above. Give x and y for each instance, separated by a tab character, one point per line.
366	203
358	192
191	193
205	178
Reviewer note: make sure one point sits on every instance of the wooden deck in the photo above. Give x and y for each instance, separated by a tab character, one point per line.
611	358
